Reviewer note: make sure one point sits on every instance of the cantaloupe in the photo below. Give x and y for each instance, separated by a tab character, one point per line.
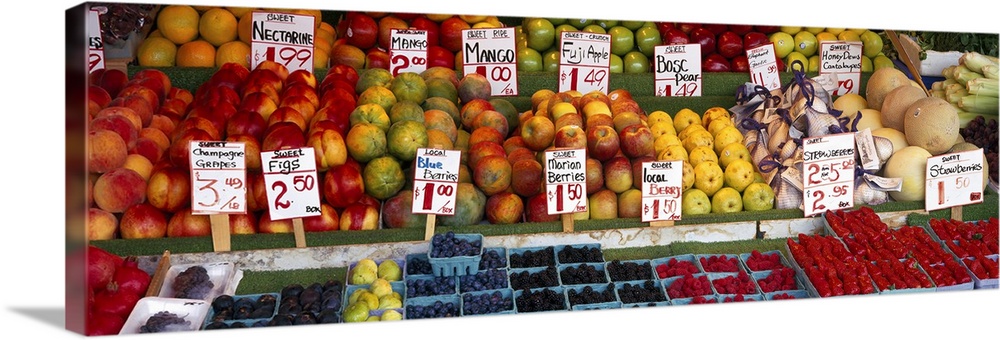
932	124
883	81
849	104
909	164
896	103
897	137
870	119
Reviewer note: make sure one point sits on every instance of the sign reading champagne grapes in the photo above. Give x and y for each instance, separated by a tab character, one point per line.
677	70
842	58
95	42
661	190
491	53
283	38
290	183
435	181
566	181
218	177
764	67
407	51
828	173
584	61
954	179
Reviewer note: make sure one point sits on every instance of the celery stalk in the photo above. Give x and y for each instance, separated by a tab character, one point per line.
983	87
974	61
990	71
956	96
948	71
979	104
965	77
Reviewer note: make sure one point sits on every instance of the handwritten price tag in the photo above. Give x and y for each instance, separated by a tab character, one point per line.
290	183
566	180
764	67
828	162
95	41
584	62
435	180
844	59
661	191
283	38
954	179
678	70
491	53
407	51
218	177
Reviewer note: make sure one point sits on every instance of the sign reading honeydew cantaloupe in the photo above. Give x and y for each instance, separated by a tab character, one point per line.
842	58
954	179
661	190
283	38
491	52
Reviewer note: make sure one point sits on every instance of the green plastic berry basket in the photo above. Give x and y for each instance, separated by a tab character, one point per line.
797	294
620	286
582	246
648	275
562	268
522	251
247	321
501	251
532	271
410	281
457	265
505	294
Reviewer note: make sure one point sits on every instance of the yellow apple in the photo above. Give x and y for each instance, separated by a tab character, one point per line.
758	196
727	200
708	177
695	202
732	152
738	175
702	154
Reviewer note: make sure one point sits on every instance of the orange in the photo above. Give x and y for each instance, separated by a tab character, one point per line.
203	9
157	52
155	33
239	11
244	26
198	53
179	23
233	52
217	26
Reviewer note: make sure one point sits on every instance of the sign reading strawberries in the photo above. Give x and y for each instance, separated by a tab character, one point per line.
283	38
828	178
407	51
95	42
764	67
290	183
677	70
435	181
491	52
844	59
661	190
566	181
584	61
954	179
218	177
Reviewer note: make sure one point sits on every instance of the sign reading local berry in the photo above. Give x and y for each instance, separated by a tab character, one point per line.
584	61
218	177
764	67
677	70
283	38
954	179
435	181
661	190
828	173
290	183
407	51
566	181
95	42
491	52
844	59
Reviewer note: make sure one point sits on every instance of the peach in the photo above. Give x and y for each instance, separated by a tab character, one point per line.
359	216
504	208
175	105
140	164
106	150
157	136
137	103
121	111
148	149
269	226
256	191
213	95
182	94
113	80
283	135
248	123
143	221
327	220
101	225
186	224
258	102
151	97
163	123
180	149
301	104
98	95
118	124
243	224
205	119
275	67
151	73
119	189
169	188
329	146
301	76
287	114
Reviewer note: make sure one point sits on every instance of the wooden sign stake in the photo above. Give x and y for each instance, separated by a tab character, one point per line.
567	223
300	234
956	213
668	223
156	282
429	230
220	232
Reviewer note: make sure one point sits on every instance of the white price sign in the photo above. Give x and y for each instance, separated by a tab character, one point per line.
764	67
954	179
828	178
218	177
95	41
435	181
844	59
407	51
491	52
677	70
284	38
661	190
290	183
566	181
584	61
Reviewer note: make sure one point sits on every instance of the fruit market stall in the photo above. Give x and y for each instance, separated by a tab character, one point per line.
438	191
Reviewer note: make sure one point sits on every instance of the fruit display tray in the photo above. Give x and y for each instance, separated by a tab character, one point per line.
415	278
739	263
521	251
799	272
987	283
501	251
745	256
560	248
457	265
598	288
531	271
192	311
505	293
221	274
798	294
757	276
659	286
426	301
680	258
911	290
249	321
651	273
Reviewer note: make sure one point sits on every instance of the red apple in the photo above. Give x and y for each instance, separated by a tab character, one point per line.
740	63
569	119
766	29
169	188
246	123
754	39
602	142
143	221
328	220
618	174
688	27
715	63
362	30
637	169
740	30
595	176
343	185
716	29
377	58
251	147
180	151
571	136
729	44
538	133
301	90
636	140
705	38
675	36
283	135
440	56
433	32
359	216
186	224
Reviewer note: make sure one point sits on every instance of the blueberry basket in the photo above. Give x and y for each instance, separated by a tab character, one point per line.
757	276
602	289
628	299
566	278
550	256
797	294
229	321
497	307
471	283
457	265
486	262
739	264
617	276
414	280
415	265
416	308
535	271
745	256
558	291
591	250
680	258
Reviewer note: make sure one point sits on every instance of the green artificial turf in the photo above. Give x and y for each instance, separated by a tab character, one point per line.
257	282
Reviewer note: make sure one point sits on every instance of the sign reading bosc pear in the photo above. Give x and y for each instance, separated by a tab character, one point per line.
661	190
95	41
844	59
954	179
435	181
491	53
764	66
407	51
677	70
584	61
566	181
283	38
828	178
290	183
218	177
